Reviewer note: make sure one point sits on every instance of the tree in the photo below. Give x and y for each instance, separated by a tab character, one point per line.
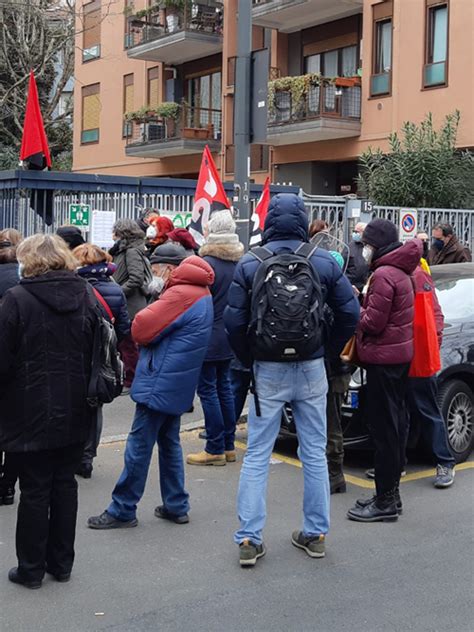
423	169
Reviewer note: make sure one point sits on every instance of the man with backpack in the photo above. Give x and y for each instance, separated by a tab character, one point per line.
275	325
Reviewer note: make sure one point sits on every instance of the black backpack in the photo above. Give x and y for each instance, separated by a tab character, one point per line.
286	321
107	371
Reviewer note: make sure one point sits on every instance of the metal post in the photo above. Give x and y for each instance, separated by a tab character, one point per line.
242	118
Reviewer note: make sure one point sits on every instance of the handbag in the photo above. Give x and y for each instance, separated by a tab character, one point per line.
349	353
426	357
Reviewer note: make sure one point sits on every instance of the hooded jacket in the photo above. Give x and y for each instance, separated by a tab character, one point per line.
9	276
133	273
286	227
222	258
385	331
173	334
46	337
452	252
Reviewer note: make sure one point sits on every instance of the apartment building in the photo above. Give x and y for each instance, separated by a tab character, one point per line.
343	75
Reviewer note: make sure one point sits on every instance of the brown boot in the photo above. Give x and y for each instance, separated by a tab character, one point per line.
204	458
230	456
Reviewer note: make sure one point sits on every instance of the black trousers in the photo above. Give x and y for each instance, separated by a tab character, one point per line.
47	511
8	473
386	417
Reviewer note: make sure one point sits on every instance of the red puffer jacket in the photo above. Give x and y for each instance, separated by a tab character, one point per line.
385	331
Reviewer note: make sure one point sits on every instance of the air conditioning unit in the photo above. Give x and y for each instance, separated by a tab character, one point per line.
150	132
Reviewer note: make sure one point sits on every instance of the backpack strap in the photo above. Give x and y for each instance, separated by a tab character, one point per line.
261	253
306	250
104	304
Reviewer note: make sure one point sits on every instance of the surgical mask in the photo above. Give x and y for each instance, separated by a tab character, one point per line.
156	286
151	232
368	253
356	237
21	267
438	244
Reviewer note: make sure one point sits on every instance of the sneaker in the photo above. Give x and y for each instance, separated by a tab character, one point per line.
230	456
106	521
15	577
371	473
444	476
161	512
204	458
314	545
250	552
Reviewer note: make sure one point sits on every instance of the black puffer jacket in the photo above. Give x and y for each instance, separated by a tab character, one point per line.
46	338
8	277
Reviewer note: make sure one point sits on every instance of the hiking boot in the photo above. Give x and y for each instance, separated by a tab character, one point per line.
444	476
230	456
15	577
371	473
8	496
250	552
62	578
162	512
314	545
204	458
382	508
106	521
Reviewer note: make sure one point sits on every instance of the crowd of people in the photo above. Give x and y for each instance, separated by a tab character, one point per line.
215	321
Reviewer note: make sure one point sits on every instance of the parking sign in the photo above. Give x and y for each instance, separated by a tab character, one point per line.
408	224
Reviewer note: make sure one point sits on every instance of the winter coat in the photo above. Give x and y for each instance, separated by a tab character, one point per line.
357	269
385	331
9	277
452	252
222	258
424	283
286	227
46	339
174	332
133	273
99	276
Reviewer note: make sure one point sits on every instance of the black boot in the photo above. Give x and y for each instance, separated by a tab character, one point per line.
364	502
381	508
7	496
337	482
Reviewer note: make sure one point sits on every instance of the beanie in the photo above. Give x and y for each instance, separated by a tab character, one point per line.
71	235
380	233
168	253
222	228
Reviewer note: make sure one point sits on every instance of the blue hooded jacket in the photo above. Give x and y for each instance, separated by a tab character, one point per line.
286	227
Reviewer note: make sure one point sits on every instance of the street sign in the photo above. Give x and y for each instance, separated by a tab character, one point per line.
79	215
408	223
101	230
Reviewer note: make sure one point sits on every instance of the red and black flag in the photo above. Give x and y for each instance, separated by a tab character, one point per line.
210	196
34	145
259	215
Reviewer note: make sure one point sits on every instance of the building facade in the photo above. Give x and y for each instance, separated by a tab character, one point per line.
155	83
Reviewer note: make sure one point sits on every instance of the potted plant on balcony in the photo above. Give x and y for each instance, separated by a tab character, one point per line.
174	11
169	111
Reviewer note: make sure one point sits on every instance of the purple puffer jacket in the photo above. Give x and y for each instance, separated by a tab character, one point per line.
385	331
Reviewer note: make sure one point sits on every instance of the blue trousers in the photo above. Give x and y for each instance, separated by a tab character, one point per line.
150	427
240	387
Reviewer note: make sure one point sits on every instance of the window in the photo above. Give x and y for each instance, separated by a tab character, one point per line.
153	86
128	10
128	103
91	32
204	97
91	107
382	59
341	62
436	56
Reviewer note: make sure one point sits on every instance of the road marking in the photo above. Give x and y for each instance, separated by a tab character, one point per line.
361	482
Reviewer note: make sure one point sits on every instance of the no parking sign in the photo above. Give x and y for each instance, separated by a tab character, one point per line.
408	224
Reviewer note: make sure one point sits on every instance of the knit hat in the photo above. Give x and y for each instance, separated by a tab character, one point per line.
168	253
222	228
71	235
380	233
183	237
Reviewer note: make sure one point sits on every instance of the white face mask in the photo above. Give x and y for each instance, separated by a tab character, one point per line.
21	267
156	286
151	232
368	253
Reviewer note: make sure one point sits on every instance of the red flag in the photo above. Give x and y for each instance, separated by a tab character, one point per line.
34	144
259	214
210	196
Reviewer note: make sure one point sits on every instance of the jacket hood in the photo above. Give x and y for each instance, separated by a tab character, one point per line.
226	252
192	271
102	270
61	290
124	244
406	257
286	219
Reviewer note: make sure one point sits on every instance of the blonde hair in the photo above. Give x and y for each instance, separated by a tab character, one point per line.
12	235
9	240
41	253
88	254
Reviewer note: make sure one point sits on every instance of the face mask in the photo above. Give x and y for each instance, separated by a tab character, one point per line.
438	244
156	286
21	267
367	253
425	249
356	237
151	232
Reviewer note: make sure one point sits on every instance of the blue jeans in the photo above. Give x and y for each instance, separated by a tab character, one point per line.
150	427
240	388
304	385
217	400
423	403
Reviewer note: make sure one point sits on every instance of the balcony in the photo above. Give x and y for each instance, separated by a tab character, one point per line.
152	136
176	36
294	15
323	109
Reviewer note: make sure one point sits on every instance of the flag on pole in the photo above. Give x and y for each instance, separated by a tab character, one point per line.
34	145
259	215
210	196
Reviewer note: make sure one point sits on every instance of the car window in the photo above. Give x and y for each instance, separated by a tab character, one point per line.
456	297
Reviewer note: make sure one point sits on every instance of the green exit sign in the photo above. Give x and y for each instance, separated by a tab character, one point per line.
79	215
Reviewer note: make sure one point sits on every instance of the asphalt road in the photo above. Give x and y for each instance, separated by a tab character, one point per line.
416	574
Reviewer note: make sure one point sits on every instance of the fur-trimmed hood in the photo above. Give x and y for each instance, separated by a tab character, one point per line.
226	252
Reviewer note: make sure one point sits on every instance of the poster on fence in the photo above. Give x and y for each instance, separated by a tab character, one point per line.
101	228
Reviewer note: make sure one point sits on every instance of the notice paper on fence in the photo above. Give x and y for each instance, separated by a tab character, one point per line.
101	228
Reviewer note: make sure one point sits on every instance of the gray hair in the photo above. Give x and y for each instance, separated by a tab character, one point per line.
128	229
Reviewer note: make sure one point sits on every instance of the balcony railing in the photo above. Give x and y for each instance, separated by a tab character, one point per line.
158	23
194	123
